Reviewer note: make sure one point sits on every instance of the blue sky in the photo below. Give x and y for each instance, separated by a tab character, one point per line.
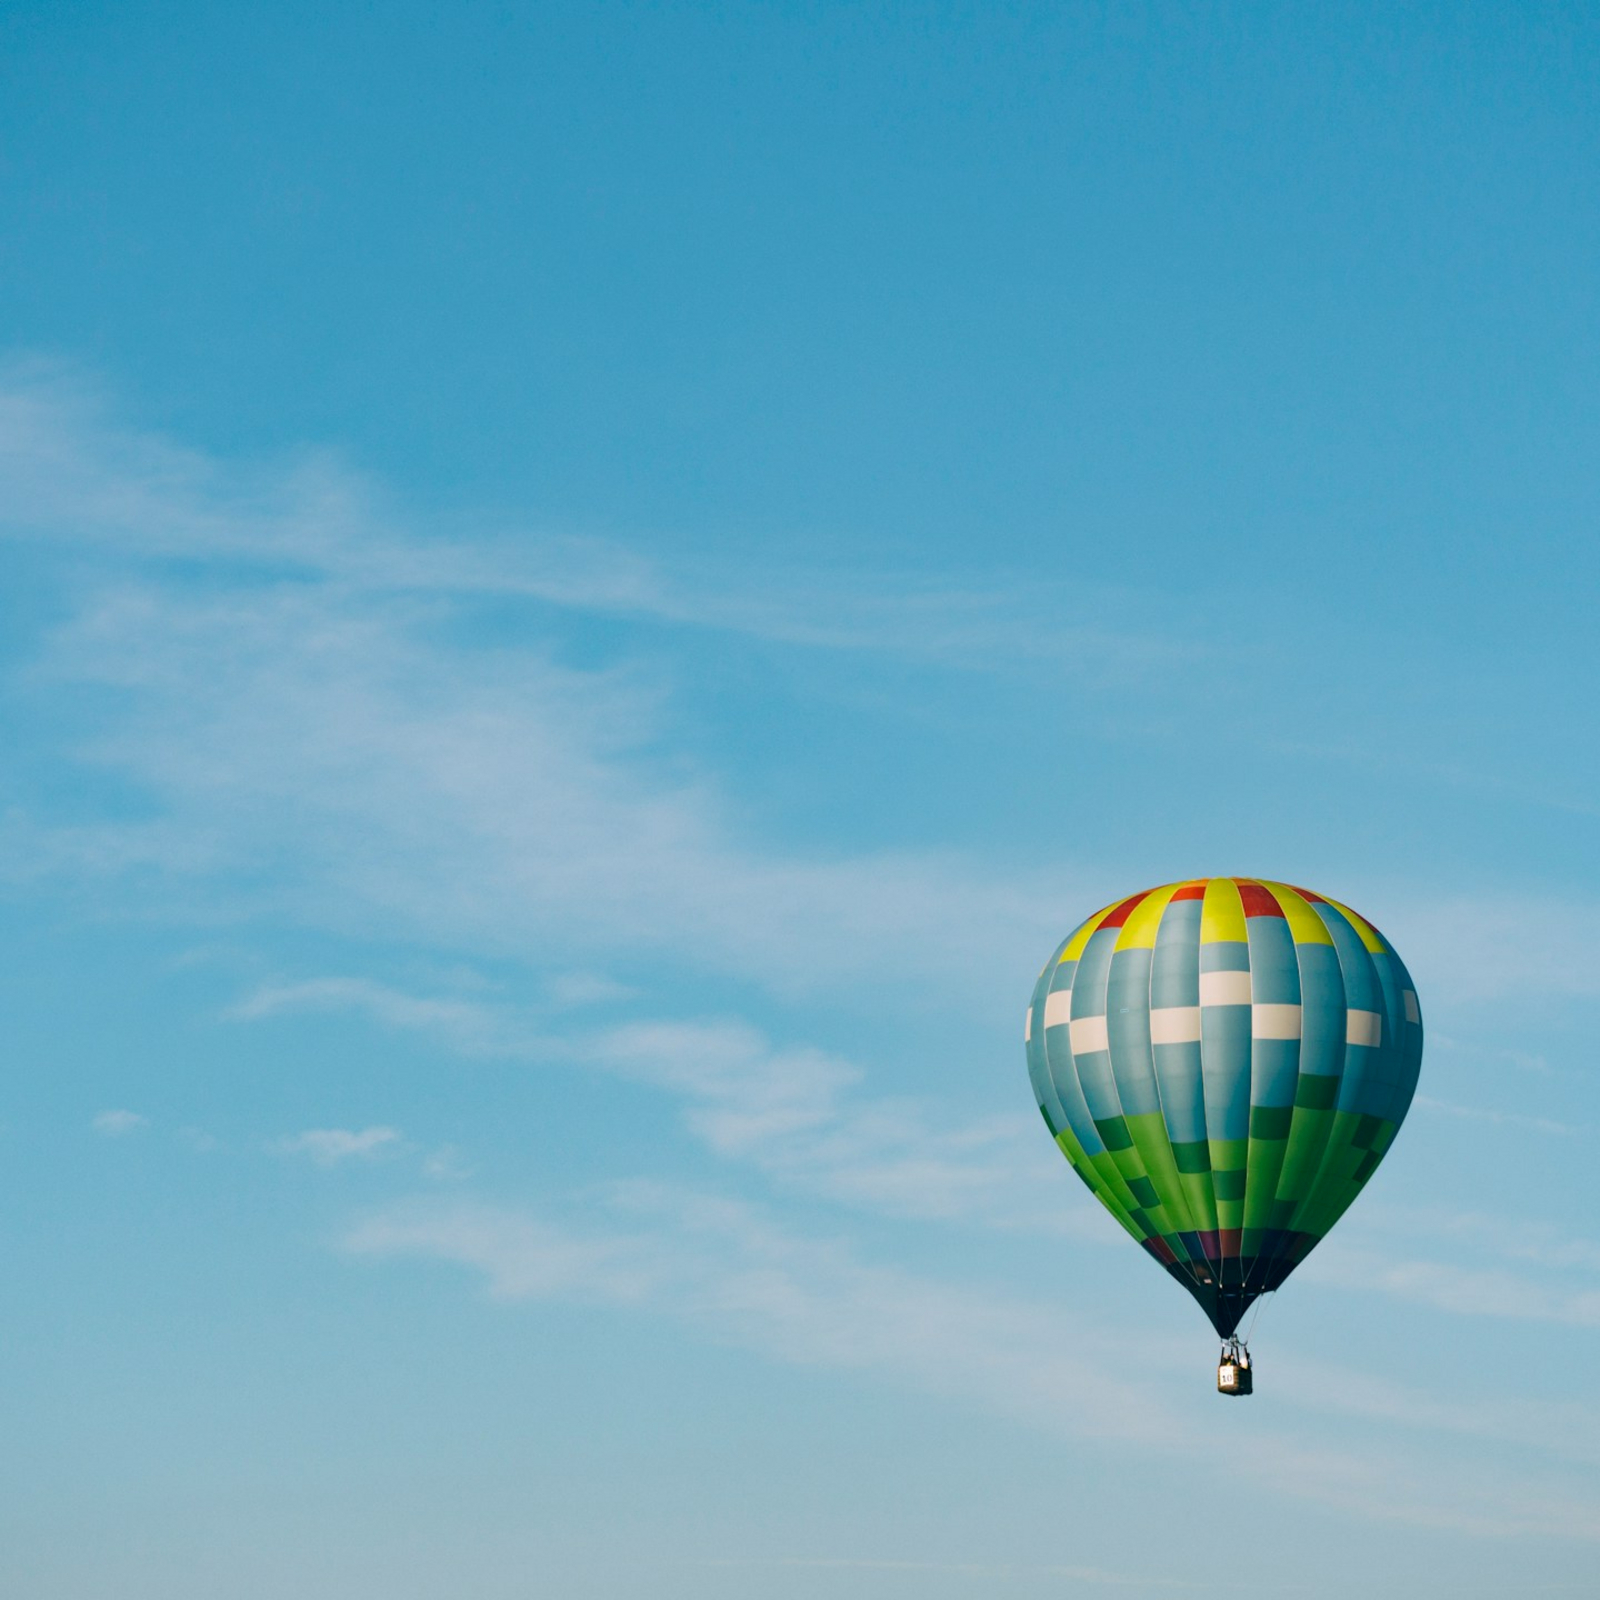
587	592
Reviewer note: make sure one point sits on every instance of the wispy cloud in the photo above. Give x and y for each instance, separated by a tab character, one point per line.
320	756
119	1124
725	1269
315	726
68	471
997	1571
1527	1240
328	1147
447	1164
794	1113
725	1266
1473	1291
1569	1430
1514	1268
1513	1119
1471	950
797	1114
468	1025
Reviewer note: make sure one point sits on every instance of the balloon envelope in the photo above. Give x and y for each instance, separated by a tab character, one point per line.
1225	1062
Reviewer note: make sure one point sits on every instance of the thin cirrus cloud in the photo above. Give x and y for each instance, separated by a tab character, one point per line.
724	1268
311	736
1473	1291
69	472
118	1124
1513	1119
472	1027
1519	1269
331	1147
792	1112
326	759
797	1115
306	716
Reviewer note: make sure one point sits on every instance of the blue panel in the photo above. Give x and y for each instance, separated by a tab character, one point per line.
1128	1026
1225	955
1274	980
1274	971
1355	965
1322	1008
1225	1062
1383	1083
1175	981
1175	970
1362	1087
1089	983
1183	1100
1274	1071
1099	1087
1410	1037
1064	1075
1044	1088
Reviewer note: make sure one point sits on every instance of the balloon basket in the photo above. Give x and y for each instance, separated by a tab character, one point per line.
1233	1370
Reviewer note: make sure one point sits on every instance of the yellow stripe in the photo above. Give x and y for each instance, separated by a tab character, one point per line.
1139	931
1222	913
1370	936
1076	943
1305	926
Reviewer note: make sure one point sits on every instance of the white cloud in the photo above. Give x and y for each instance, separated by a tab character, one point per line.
724	1269
69	472
1426	1102
1524	1240
795	1113
326	727
1472	1291
1470	950
479	801
574	989
329	1146
118	1124
722	1265
447	1164
1569	1429
472	1026
984	1570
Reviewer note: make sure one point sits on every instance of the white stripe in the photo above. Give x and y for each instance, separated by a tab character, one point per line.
1027	1027
1088	1035
1412	1013
1363	1027
1057	1007
1274	1022
1224	988
1174	1024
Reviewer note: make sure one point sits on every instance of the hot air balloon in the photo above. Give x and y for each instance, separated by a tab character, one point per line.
1225	1062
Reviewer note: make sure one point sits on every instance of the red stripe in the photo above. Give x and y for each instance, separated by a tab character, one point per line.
1121	914
1191	891
1307	894
1258	902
